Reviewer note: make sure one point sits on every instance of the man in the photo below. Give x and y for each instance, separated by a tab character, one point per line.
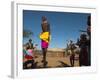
45	38
89	39
83	56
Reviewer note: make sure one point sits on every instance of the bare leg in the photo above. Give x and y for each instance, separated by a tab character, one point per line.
44	56
72	59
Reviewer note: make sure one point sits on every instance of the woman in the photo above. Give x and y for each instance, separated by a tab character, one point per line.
45	38
28	58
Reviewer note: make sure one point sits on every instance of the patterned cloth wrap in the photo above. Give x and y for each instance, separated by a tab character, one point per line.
28	54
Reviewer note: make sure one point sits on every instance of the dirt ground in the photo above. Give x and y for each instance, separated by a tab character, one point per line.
54	62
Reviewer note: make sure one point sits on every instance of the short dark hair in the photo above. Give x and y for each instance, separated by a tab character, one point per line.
30	40
44	18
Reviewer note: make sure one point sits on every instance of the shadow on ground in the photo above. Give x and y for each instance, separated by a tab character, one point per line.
63	64
34	65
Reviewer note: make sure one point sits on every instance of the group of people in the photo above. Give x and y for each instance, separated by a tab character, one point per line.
84	44
29	49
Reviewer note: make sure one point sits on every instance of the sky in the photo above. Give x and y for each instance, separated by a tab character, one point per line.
64	26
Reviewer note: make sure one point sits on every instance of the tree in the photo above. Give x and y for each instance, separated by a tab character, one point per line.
27	33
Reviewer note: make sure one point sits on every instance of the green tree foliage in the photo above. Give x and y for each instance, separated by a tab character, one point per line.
27	33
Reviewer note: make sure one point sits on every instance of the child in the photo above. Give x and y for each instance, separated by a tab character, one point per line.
72	56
